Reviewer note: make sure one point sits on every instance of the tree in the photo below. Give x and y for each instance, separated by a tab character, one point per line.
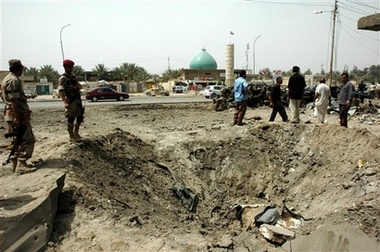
78	71
308	72
117	74
171	74
374	73
142	75
33	71
50	73
130	71
101	72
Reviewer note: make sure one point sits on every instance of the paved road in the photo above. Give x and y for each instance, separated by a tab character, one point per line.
48	102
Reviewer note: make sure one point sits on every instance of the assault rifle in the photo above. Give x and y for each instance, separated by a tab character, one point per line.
17	134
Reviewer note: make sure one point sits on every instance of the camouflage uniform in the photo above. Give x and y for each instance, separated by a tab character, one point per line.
12	89
70	88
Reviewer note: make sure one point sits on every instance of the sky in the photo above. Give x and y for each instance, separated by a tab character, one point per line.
159	35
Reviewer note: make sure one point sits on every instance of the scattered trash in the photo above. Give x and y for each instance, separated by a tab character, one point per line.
188	198
360	164
352	111
275	227
270	216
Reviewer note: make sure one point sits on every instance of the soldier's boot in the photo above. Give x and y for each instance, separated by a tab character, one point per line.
14	163
77	137
70	129
23	167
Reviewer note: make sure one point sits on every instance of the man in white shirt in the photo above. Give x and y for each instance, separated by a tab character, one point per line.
322	99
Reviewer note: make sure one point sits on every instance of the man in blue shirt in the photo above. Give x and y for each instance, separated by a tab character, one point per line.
241	98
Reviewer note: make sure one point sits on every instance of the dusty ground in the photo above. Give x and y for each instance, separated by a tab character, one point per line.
119	196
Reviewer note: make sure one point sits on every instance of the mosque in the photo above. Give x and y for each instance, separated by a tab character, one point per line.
203	69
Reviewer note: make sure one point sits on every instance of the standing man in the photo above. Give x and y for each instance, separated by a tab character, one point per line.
69	91
362	88
296	89
17	115
345	99
276	102
241	98
322	100
372	89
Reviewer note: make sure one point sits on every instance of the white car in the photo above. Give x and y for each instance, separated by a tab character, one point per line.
212	91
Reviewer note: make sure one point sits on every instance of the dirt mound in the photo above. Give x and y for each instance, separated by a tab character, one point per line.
125	180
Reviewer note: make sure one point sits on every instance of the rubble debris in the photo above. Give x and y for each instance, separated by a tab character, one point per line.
270	216
188	198
276	234
291	220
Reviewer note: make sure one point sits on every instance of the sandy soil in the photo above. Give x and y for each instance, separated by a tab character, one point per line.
120	195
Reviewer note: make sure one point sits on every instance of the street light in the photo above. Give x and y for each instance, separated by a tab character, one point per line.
60	36
254	60
332	37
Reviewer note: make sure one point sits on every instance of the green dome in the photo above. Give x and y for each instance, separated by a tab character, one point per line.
203	60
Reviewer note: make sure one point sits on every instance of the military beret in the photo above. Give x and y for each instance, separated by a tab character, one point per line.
68	62
14	63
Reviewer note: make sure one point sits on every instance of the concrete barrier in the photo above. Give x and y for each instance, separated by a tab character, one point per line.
28	204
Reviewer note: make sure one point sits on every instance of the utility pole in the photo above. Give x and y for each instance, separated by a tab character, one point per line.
332	41
246	57
169	63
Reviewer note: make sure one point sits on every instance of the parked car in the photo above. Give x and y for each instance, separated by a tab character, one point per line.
30	95
212	91
103	93
178	89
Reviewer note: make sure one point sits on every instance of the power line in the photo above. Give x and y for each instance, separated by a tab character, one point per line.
341	26
355	10
290	3
363	4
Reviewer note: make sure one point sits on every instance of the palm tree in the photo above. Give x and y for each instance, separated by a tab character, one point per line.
142	75
101	72
171	74
130	71
33	71
117	74
50	73
78	71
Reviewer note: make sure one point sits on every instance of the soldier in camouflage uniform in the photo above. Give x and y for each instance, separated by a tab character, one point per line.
17	116
69	91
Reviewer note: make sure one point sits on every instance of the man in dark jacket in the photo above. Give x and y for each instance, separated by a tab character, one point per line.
276	101
345	99
296	89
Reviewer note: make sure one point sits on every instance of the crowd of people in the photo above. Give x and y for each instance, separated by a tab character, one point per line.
295	97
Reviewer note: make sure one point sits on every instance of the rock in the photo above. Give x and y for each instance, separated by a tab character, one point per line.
276	234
